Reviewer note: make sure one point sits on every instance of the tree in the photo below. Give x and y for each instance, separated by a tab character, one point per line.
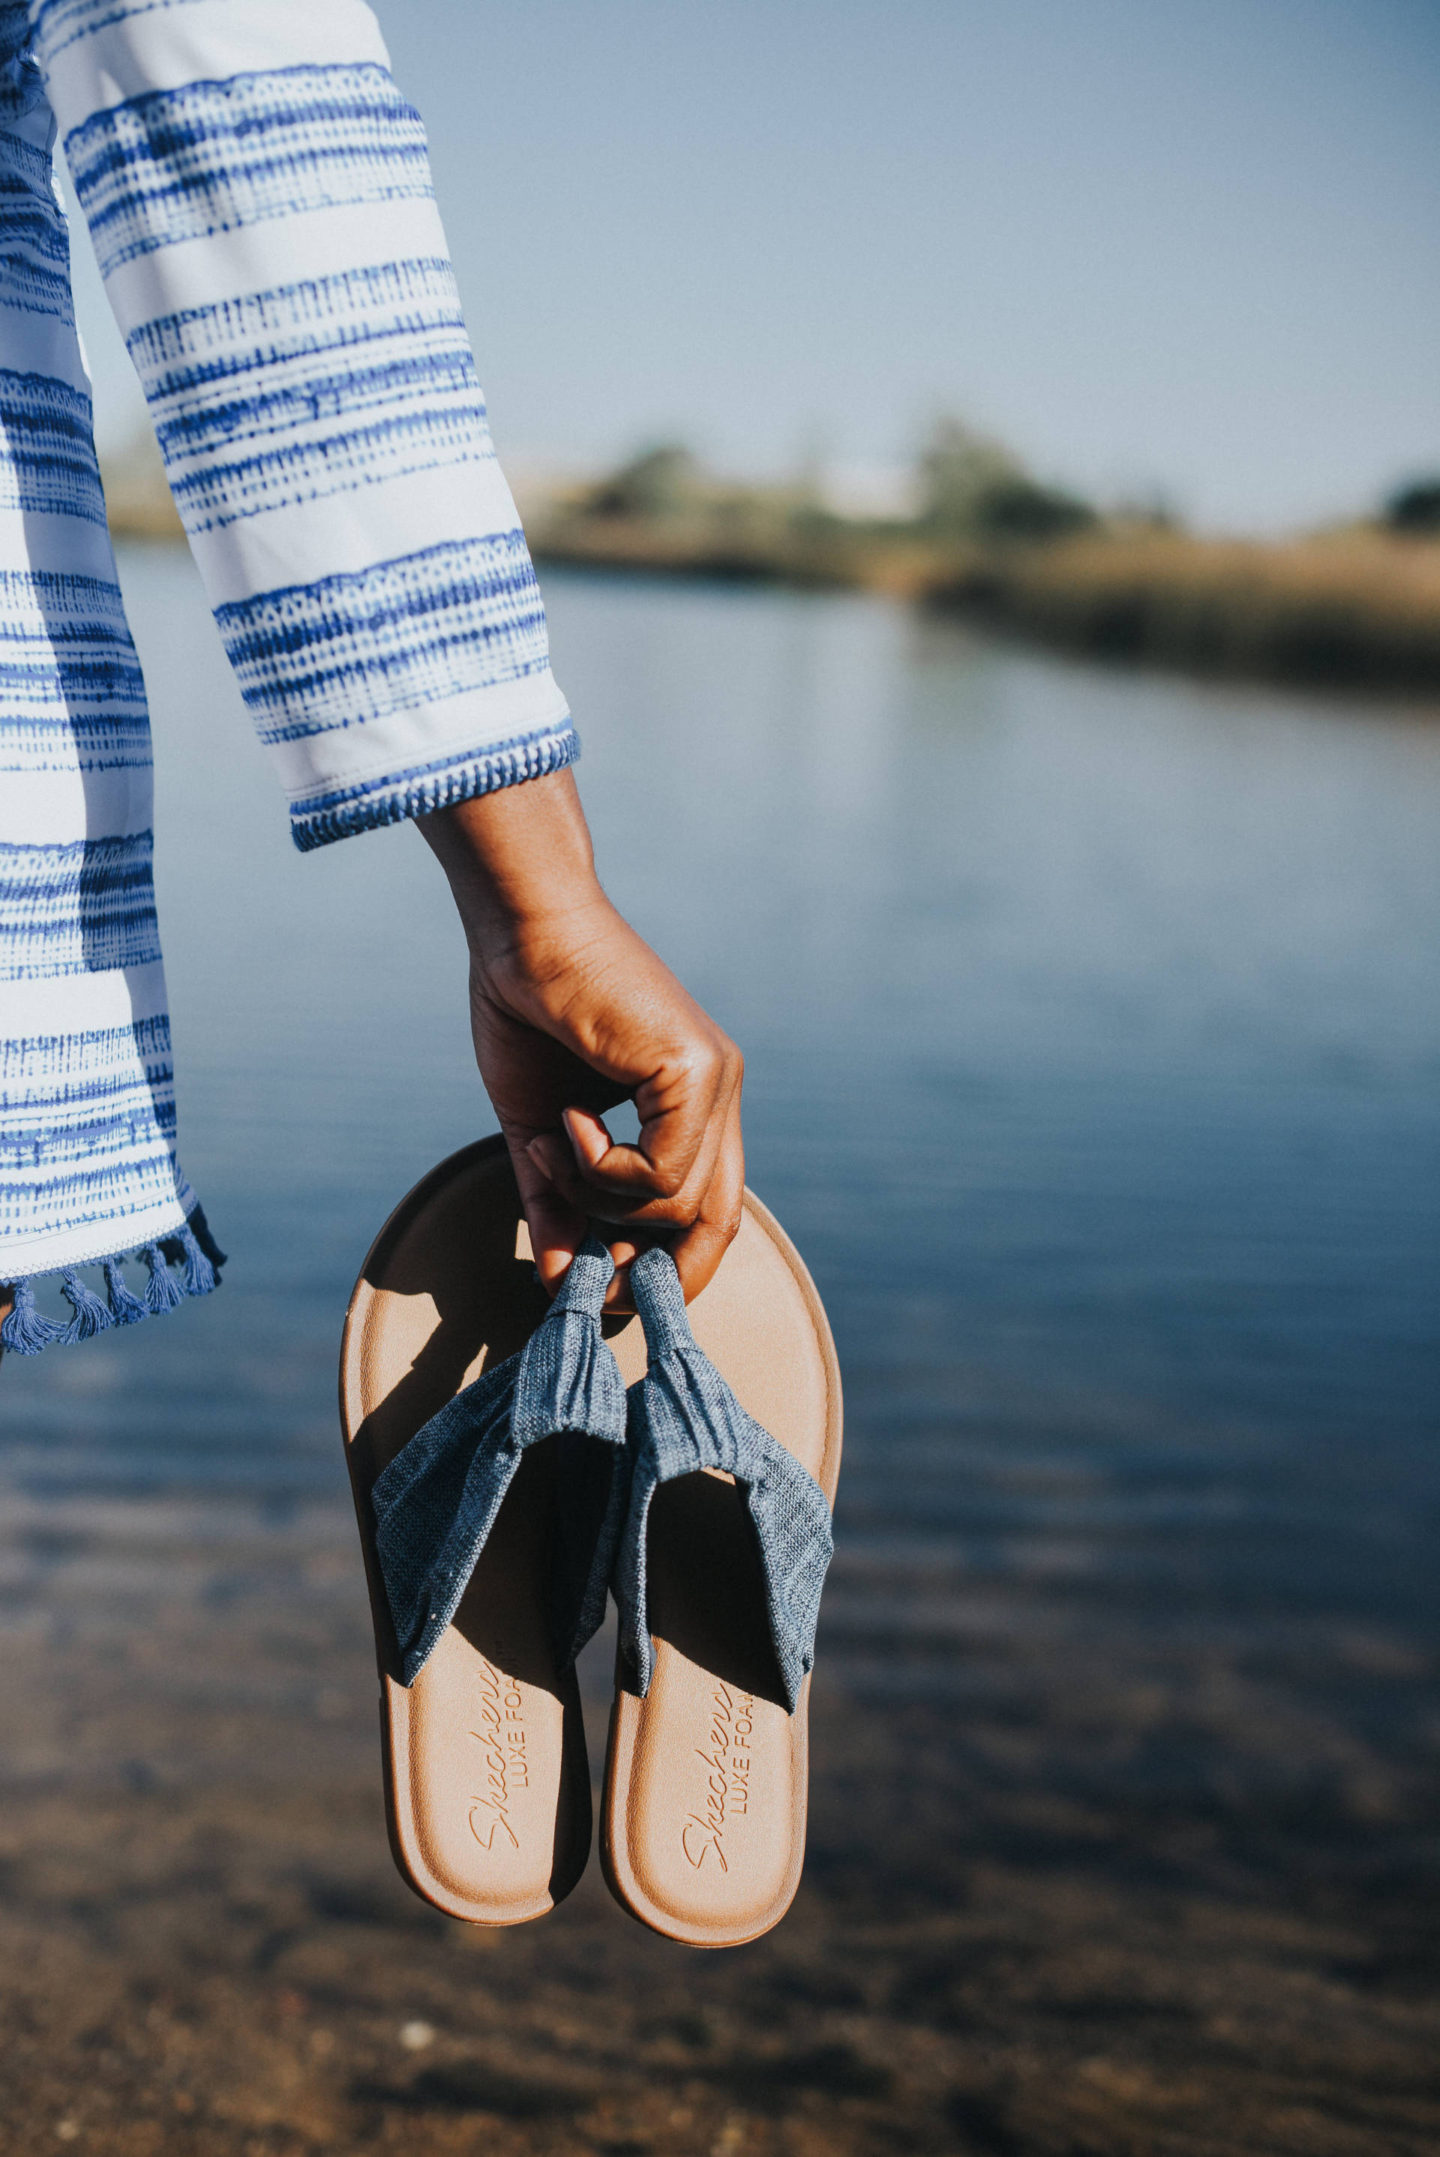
1414	507
958	469
974	488
663	481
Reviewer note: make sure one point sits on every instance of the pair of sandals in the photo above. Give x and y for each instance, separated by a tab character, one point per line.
513	1461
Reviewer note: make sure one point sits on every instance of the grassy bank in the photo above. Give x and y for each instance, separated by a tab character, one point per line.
1359	608
763	550
1362	609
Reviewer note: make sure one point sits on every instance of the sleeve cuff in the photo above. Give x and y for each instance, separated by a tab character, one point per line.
422	788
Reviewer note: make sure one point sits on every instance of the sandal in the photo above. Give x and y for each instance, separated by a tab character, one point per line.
484	1432
718	1575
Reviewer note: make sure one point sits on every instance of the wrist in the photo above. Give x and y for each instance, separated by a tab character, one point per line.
517	860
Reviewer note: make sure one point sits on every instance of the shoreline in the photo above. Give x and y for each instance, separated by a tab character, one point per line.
1354	610
1357	611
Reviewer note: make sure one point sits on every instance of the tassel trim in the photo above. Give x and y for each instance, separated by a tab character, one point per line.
26	1331
125	1309
163	1293
91	1316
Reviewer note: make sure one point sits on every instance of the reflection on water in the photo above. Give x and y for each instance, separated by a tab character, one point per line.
1093	1027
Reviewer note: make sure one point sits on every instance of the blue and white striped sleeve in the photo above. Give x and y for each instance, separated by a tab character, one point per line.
260	199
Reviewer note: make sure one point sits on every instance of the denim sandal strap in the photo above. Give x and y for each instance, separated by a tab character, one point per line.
436	1502
682	1417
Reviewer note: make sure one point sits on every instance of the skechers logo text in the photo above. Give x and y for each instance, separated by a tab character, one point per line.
504	1764
727	1758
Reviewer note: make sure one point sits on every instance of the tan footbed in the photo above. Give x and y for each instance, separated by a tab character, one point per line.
703	1828
487	1790
487	1785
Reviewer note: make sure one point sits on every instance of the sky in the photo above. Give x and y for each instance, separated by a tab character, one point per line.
1185	252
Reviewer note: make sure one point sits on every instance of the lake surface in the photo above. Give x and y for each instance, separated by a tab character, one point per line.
1093	1031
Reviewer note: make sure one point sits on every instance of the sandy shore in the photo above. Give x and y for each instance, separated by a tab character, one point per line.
1071	1891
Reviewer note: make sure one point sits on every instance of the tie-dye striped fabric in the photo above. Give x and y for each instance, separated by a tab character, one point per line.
259	196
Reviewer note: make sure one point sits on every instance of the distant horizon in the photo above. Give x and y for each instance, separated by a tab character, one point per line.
860	488
1190	258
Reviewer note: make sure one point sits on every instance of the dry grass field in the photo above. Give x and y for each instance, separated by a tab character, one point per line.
1358	608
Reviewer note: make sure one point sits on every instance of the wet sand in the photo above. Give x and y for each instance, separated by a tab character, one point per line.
1076	1887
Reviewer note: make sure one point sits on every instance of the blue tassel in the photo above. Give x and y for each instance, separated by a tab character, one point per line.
91	1316
125	1308
25	1331
207	1242
163	1293
199	1276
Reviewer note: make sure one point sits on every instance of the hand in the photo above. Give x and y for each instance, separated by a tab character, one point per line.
572	1012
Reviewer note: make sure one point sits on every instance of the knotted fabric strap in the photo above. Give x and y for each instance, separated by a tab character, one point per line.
436	1503
682	1417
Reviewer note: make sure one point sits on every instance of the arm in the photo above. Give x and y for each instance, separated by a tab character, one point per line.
259	195
571	1012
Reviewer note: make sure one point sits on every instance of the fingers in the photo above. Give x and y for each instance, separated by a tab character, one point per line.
660	1178
661	1181
698	1223
698	1250
557	1228
563	1030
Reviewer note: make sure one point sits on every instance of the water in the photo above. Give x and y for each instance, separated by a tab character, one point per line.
1093	1031
1093	1038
